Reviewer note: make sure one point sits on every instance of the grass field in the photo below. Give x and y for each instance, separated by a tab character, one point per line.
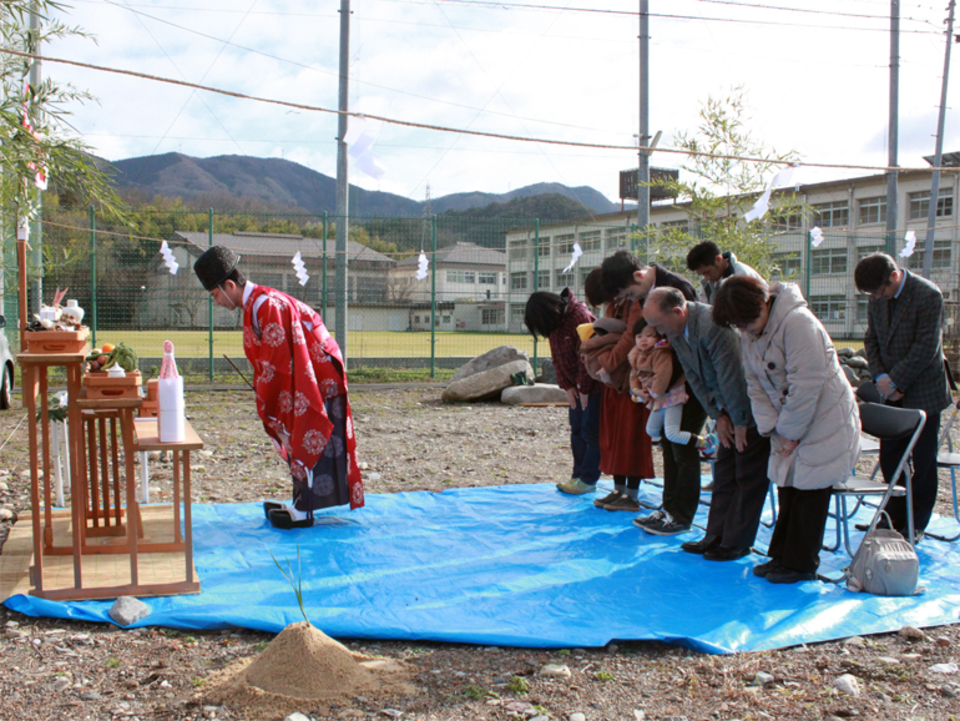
362	344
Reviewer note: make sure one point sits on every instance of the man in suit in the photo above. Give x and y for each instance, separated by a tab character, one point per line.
624	276
904	345
712	360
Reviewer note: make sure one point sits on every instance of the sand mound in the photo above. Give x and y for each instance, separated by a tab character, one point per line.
303	663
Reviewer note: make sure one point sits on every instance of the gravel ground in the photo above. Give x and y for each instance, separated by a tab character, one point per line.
54	669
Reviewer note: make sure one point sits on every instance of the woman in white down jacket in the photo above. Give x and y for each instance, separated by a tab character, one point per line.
803	402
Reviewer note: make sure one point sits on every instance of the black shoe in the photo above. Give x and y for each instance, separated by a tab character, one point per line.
271	506
882	523
707	543
763	569
623	503
722	553
788	575
282	519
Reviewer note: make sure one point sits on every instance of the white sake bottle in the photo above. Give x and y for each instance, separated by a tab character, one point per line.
171	418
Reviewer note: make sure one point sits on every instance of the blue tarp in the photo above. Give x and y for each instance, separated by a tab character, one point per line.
516	565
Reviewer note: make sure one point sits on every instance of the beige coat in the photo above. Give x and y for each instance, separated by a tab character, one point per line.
797	390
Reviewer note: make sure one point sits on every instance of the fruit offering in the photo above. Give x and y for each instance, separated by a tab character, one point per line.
100	359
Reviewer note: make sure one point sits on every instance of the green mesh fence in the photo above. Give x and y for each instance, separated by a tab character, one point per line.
481	272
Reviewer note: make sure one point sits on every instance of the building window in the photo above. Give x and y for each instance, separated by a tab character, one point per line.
862	312
590	240
446	320
941	255
790	264
543	279
616	238
487	278
565	280
584	272
416	319
864	250
565	243
872	210
681	225
789	221
518	249
543	247
832	215
491	316
829	308
516	314
461	276
920	204
831	261
518	281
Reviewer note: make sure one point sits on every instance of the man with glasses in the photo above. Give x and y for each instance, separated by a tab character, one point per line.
904	345
301	389
712	360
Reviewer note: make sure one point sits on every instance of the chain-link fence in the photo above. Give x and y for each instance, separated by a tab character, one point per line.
479	274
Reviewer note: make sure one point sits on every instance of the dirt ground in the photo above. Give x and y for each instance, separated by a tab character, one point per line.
409	441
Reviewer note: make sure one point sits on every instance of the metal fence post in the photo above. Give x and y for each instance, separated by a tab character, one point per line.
323	285
93	275
210	302
536	279
808	265
633	238
433	301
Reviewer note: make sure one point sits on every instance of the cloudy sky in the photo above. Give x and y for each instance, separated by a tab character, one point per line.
816	82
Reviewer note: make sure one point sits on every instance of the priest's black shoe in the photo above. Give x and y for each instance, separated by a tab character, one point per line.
707	543
722	553
282	519
271	506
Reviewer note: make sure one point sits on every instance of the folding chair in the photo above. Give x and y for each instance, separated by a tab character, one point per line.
887	423
951	460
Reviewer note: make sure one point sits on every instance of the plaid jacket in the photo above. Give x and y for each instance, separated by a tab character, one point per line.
909	345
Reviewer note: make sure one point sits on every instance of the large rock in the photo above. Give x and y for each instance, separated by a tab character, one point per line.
487	384
548	374
540	393
127	610
491	359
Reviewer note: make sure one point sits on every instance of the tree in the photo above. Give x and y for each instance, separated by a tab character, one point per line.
723	186
37	142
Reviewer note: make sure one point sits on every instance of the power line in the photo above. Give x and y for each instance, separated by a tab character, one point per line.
335	74
446	129
672	16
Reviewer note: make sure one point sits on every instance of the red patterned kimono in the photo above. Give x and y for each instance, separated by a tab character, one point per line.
298	372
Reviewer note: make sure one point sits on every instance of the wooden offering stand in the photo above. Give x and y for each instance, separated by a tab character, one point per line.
105	518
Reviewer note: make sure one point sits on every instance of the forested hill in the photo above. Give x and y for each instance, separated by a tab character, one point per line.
246	181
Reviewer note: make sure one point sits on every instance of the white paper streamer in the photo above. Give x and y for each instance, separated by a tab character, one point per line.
816	237
760	208
300	269
168	258
574	257
422	266
911	238
361	142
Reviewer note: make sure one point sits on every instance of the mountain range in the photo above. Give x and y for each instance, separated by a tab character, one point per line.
274	183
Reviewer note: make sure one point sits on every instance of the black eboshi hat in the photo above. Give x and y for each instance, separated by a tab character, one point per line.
213	267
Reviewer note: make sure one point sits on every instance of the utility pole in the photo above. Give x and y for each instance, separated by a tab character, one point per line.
36	233
643	157
938	153
892	128
343	186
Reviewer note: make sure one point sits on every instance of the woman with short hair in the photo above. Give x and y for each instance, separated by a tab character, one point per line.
800	399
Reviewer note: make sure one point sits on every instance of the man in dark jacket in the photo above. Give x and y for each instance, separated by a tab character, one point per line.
904	345
626	277
712	360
